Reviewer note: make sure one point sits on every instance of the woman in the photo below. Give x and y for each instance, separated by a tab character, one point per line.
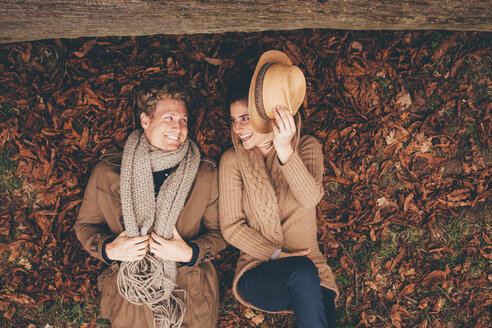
269	186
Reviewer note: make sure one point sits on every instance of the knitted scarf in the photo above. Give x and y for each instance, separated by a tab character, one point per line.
151	281
259	188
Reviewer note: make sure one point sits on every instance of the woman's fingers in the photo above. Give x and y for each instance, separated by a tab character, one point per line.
289	118
275	128
284	120
279	119
286	116
303	252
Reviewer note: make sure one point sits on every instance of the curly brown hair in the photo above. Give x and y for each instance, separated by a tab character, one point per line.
147	99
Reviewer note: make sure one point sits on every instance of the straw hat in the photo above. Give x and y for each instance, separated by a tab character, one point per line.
275	82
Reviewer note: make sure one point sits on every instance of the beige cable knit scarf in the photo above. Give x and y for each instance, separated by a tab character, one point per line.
259	188
151	281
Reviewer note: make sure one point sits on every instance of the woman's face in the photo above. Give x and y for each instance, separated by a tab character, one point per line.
241	126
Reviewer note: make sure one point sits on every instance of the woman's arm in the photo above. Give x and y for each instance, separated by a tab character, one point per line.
233	224
304	172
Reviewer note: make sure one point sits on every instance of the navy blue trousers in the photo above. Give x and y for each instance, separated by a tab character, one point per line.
290	283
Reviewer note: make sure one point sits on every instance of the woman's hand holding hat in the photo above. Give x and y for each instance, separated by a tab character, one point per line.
284	129
276	81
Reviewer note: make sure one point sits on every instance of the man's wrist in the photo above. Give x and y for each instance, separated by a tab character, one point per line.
189	254
104	250
195	252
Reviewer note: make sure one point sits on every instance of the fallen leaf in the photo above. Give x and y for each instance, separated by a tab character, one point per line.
85	48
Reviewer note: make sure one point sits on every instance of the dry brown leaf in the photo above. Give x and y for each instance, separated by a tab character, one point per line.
20	299
408	290
85	48
214	61
406	130
356	45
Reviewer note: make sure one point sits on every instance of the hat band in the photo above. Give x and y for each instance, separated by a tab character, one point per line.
259	91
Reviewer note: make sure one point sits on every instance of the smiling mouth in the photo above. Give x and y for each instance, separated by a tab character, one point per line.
173	138
246	137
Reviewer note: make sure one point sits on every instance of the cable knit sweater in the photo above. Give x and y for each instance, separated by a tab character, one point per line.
297	209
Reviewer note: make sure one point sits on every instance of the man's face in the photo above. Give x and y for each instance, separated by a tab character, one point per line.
168	128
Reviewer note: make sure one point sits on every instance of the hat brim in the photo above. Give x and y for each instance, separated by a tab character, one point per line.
273	56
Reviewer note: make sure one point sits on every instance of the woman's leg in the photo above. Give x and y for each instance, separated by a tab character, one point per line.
289	283
330	309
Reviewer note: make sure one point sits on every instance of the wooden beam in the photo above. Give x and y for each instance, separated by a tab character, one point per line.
23	20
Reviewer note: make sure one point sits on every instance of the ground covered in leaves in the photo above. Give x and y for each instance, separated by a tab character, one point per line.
404	118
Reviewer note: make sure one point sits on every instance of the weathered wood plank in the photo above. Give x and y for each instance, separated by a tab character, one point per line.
44	19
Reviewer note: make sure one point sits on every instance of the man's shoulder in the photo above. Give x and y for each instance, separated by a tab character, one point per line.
108	168
207	168
208	161
112	159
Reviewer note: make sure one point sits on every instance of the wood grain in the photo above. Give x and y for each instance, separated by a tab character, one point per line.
22	20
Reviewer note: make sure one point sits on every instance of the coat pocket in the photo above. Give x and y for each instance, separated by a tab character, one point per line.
195	288
107	285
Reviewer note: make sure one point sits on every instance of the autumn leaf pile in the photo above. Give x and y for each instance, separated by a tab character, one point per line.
404	119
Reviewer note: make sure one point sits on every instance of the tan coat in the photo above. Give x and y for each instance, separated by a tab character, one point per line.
99	219
297	209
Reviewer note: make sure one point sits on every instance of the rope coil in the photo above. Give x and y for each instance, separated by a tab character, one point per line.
145	282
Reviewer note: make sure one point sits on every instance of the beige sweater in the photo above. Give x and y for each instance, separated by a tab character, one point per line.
297	209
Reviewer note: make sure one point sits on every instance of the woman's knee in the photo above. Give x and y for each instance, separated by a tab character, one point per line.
305	272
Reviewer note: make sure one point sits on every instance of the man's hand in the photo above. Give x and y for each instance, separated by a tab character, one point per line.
124	248
174	249
284	129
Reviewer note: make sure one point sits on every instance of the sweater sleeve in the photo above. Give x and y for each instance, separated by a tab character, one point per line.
304	172
233	222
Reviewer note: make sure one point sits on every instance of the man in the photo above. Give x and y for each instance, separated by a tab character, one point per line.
151	214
